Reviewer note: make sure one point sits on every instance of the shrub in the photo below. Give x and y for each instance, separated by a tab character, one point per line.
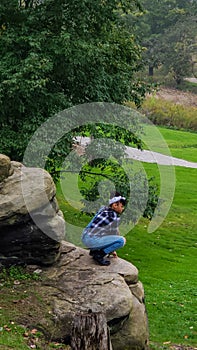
166	113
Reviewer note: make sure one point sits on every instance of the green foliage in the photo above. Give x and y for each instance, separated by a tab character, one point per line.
152	200
188	86
166	113
167	80
12	335
16	273
55	55
93	174
98	179
179	45
167	29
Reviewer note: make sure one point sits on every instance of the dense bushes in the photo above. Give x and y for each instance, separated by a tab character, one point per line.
55	55
169	114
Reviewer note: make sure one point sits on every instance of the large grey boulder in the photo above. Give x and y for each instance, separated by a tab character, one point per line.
31	224
75	285
32	230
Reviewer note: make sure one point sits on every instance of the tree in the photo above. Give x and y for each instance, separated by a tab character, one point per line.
161	28
56	54
178	43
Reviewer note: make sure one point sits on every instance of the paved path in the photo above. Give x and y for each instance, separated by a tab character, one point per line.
154	157
148	156
192	80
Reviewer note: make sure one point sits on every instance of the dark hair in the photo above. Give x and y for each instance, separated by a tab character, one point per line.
115	194
123	201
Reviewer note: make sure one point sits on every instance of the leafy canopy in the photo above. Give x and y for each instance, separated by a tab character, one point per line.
56	54
168	31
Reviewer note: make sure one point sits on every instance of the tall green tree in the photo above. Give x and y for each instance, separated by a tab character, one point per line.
58	53
179	44
161	29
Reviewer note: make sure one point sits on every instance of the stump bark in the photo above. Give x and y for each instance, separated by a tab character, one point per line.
90	332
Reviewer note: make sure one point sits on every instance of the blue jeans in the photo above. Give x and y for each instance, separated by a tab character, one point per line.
107	243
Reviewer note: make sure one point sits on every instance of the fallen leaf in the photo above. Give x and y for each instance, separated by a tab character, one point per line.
8	329
26	334
16	282
34	331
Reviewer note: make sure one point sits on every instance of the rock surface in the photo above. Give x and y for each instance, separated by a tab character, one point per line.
5	165
76	284
31	224
32	230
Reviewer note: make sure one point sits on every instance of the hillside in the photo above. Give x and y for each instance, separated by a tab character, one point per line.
177	96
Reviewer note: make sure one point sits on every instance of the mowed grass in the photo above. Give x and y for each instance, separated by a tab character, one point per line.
176	143
182	144
166	258
167	261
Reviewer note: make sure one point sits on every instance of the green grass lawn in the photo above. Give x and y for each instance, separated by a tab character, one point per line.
167	261
182	144
166	258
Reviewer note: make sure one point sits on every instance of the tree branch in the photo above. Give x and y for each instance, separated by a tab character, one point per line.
85	172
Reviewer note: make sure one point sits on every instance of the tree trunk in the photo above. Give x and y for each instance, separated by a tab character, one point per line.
90	332
150	71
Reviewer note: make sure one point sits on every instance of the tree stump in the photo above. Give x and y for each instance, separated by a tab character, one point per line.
90	332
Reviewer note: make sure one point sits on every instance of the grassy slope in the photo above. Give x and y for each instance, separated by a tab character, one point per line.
167	262
182	144
167	259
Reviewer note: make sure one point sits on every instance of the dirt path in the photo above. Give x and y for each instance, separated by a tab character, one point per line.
178	97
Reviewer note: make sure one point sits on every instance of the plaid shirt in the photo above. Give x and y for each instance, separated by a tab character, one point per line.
105	222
